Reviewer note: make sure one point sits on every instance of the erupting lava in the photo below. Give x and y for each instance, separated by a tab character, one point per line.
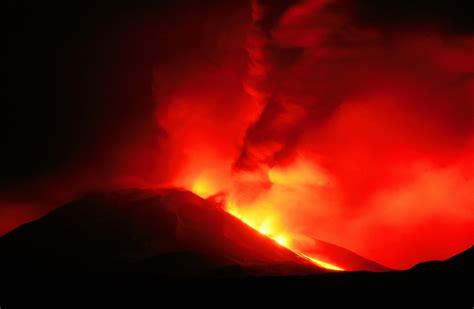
203	188
267	228
260	214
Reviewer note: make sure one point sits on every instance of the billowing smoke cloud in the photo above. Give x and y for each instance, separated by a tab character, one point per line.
305	61
270	64
384	109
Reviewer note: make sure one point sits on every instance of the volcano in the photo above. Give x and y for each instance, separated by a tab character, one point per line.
247	152
152	245
125	245
169	232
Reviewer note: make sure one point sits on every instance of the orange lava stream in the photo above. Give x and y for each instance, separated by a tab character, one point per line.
260	213
320	263
284	239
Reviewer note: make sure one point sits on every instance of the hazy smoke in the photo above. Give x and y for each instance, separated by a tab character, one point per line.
381	108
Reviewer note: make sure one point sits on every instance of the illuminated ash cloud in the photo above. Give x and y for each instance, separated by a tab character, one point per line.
307	57
380	98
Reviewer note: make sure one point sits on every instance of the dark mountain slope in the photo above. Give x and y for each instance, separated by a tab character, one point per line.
132	228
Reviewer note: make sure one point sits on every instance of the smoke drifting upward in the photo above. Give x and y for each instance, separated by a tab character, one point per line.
274	61
268	138
308	58
365	128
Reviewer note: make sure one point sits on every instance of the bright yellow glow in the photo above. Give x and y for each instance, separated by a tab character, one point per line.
282	240
321	263
203	188
264	230
261	216
260	219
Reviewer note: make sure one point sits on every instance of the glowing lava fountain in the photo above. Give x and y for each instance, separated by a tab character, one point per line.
271	230
259	213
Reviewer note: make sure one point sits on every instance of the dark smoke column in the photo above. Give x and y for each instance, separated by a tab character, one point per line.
290	51
269	138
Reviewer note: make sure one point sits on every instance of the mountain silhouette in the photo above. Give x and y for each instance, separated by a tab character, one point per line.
146	248
170	231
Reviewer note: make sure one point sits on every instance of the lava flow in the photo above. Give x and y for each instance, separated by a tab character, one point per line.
261	215
268	229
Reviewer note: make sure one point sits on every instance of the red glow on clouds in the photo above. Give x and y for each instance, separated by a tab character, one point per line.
360	138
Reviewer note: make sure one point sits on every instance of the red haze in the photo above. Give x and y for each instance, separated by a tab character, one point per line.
323	123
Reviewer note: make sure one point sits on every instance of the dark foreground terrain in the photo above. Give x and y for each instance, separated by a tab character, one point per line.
440	285
135	248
